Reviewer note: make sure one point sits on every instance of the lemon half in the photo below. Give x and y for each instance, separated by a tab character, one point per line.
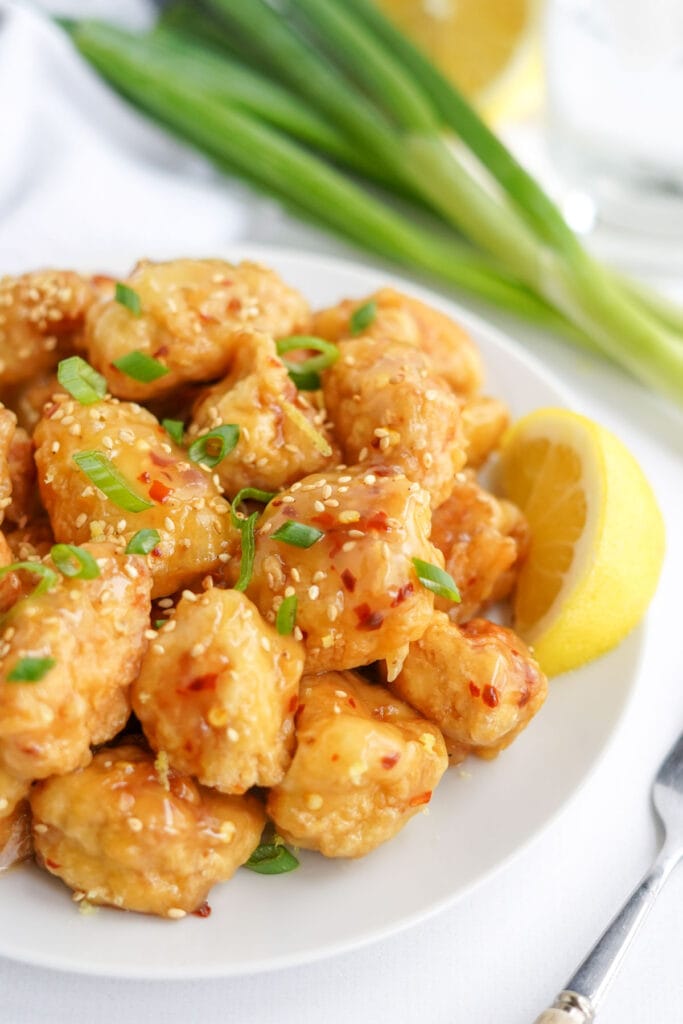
489	48
597	536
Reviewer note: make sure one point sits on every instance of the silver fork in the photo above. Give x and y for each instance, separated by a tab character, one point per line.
578	1002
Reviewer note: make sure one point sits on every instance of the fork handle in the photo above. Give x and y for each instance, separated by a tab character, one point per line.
578	1002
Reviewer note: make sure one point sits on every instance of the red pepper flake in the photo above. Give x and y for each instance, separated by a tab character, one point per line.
403	592
474	689
325	519
378	521
161	351
367	619
298	712
335	757
234	305
352	702
52	864
423	798
206	682
293	704
145	477
389	760
349	580
490	696
159	492
203	911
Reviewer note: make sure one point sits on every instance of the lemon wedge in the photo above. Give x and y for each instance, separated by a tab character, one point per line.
597	536
489	48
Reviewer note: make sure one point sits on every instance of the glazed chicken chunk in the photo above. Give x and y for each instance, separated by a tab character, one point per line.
399	317
477	682
483	421
217	692
190	314
39	312
15	836
282	436
177	498
8	424
86	638
358	595
365	764
128	833
388	406
484	540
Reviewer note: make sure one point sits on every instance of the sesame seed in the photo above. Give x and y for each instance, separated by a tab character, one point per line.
265	643
298	635
327	641
356	533
175	913
55	447
150	634
227	831
39	828
166	602
349	545
290	591
318	506
349	516
369	479
158	649
233	735
319	576
197	650
169	524
135	825
218	717
314	801
314	592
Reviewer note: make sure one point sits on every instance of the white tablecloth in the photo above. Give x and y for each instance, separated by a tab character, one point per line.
74	162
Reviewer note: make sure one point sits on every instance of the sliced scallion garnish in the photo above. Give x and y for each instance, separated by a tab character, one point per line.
175	429
30	670
247	527
272	859
363	317
101	472
286	615
74	562
142	542
81	381
299	535
211	448
306	375
437	580
140	367
49	576
129	298
249	494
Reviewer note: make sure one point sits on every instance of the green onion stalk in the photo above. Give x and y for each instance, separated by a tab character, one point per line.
383	105
148	76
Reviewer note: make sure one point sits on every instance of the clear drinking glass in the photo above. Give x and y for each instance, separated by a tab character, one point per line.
615	116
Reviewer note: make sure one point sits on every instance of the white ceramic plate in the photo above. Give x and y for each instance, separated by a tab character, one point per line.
479	817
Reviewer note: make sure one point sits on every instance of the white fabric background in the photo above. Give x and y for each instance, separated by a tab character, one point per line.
76	164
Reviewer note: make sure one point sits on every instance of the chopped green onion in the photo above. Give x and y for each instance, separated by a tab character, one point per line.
30	670
81	381
272	859
248	494
158	623
175	429
247	527
129	298
437	580
141	367
306	375
142	542
363	317
50	577
286	615
75	562
247	530
297	534
211	448
103	474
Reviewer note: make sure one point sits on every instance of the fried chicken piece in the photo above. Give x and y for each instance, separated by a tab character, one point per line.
191	314
402	318
388	406
126	833
483	421
8	424
15	836
217	693
27	399
25	501
358	595
483	539
91	633
186	507
365	763
40	312
282	436
477	682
